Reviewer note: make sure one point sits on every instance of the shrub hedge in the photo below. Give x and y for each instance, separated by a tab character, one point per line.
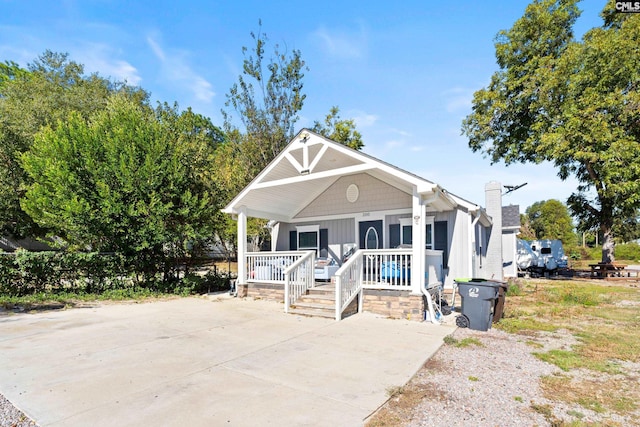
624	251
27	273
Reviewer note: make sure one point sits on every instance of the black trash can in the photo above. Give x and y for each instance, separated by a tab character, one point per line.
478	297
498	309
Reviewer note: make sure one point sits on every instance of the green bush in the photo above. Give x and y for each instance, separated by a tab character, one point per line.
628	251
624	251
54	273
29	273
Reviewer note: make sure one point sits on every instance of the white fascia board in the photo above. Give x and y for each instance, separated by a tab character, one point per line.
427	189
466	203
313	176
256	213
485	219
446	197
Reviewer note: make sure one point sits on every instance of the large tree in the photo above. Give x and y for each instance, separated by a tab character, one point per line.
575	103
267	100
41	95
130	179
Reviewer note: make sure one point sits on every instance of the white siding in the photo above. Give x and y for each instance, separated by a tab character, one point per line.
509	249
458	245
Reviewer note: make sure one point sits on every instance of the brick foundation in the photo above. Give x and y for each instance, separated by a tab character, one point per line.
389	303
266	291
394	304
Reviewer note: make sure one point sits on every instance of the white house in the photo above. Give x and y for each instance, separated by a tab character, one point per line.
391	235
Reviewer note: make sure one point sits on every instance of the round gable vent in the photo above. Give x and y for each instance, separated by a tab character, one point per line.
352	193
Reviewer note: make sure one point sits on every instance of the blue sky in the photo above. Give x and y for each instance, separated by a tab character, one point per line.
404	70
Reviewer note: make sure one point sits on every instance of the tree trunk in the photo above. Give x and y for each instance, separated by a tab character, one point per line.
608	245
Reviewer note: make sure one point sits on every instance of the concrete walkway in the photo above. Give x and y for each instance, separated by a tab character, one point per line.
206	361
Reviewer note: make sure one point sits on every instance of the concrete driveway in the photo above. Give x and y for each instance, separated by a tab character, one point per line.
206	361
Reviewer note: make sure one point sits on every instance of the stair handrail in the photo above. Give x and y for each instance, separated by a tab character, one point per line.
348	280
298	278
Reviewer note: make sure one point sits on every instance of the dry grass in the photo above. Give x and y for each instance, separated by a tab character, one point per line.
224	266
601	362
601	394
402	402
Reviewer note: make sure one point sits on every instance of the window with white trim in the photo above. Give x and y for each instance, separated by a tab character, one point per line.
309	238
406	238
406	228
429	232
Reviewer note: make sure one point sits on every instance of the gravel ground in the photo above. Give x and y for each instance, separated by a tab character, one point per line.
495	383
10	416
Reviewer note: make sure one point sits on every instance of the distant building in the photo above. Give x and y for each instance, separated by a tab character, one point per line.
510	231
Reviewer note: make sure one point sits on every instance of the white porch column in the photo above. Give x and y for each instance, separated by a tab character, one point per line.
242	247
418	228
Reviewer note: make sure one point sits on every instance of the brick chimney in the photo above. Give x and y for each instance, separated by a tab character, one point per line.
493	203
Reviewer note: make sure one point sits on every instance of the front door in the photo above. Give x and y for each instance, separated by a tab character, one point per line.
371	238
371	235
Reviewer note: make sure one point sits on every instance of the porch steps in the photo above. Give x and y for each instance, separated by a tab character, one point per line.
320	301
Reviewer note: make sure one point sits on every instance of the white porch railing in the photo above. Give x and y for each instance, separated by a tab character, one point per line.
368	268
348	280
269	267
386	268
298	278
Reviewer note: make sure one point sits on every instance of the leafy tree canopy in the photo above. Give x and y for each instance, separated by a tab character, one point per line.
339	130
550	219
130	179
267	99
9	70
43	95
573	103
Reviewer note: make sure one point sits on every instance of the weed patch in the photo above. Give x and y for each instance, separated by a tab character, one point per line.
600	395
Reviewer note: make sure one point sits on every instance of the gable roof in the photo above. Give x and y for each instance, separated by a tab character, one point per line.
310	164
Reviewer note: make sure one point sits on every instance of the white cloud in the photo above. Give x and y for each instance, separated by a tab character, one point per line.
100	58
175	68
157	50
363	119
202	89
343	44
390	145
401	132
458	99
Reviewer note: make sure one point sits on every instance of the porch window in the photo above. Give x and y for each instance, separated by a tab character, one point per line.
429	232
309	238
406	236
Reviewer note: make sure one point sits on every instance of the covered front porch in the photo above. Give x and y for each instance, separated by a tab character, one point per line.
292	276
375	227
